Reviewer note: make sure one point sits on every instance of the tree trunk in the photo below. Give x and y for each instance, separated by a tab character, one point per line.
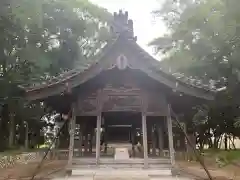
225	142
232	140
201	141
201	145
12	129
26	142
4	127
220	142
216	142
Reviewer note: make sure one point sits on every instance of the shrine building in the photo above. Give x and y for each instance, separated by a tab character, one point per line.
123	100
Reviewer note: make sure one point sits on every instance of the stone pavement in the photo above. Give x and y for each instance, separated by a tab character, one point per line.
122	174
121	171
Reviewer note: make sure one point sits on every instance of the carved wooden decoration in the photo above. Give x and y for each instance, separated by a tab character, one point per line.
122	103
125	89
122	97
88	105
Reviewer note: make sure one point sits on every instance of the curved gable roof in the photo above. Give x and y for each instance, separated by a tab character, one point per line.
145	63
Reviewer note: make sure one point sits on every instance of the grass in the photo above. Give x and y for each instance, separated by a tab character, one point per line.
223	157
12	152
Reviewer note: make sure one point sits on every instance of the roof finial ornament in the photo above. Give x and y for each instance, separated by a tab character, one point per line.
122	25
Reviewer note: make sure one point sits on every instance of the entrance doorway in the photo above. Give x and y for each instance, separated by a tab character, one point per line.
121	130
120	127
119	133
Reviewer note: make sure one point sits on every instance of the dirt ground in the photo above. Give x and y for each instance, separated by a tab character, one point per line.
25	171
230	172
193	169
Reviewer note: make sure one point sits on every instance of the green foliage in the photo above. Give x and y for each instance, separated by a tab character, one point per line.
40	40
203	39
223	158
202	45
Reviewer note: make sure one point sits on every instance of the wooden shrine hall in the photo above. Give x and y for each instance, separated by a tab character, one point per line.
123	99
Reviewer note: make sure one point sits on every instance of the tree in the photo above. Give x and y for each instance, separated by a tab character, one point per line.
202	46
202	36
40	40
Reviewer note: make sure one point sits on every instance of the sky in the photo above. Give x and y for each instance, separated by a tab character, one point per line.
146	28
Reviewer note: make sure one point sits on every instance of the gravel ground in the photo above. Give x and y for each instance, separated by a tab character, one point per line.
193	169
52	169
25	172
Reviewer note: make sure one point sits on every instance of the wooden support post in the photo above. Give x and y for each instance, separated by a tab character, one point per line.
170	137
72	125
86	143
160	139
145	148
80	138
80	141
90	142
153	140
105	137
98	137
133	139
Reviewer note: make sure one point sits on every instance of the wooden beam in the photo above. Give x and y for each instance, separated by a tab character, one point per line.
170	136
145	148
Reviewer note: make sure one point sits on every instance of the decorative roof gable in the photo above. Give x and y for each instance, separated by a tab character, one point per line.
121	51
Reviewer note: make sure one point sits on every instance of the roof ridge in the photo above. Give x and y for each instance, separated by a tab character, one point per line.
72	72
156	63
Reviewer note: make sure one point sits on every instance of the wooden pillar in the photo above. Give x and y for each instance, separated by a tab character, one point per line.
72	125
170	136
149	143
153	140
81	127
145	148
80	141
86	142
98	137
160	138
91	141
105	137
133	139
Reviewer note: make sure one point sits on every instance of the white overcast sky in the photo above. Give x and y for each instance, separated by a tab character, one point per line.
145	27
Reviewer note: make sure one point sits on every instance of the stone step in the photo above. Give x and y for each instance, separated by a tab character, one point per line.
170	178
77	161
122	178
121	172
116	166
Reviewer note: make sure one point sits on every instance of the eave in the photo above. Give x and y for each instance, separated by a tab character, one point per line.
147	64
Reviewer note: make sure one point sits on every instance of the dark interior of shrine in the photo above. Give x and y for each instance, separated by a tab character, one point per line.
121	126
